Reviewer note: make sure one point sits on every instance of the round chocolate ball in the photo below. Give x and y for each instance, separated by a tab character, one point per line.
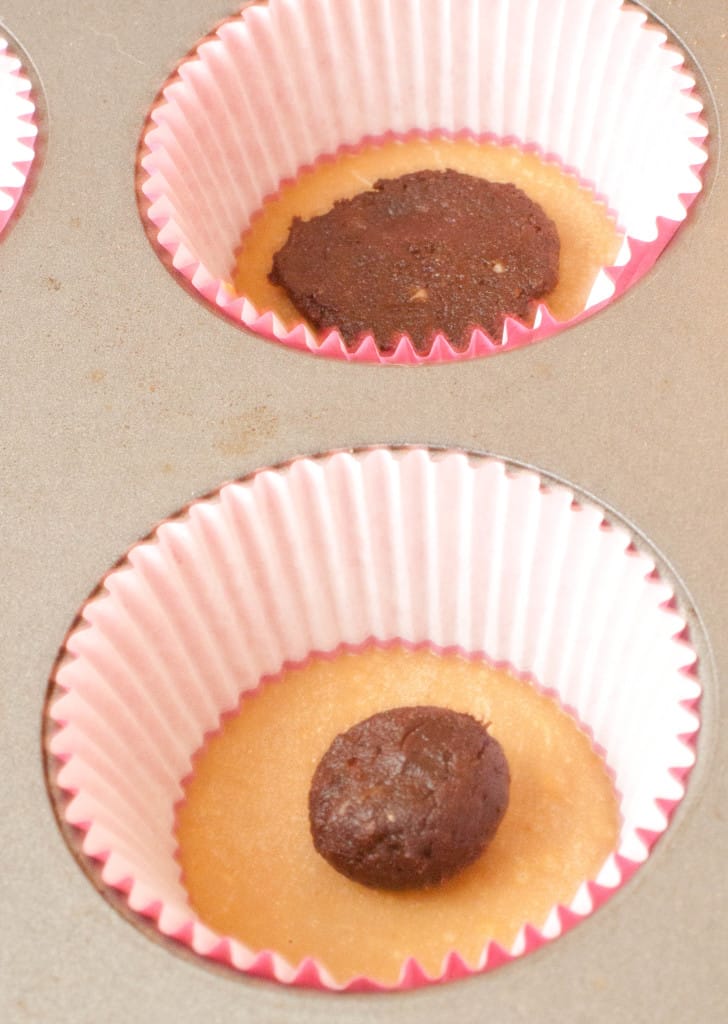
408	797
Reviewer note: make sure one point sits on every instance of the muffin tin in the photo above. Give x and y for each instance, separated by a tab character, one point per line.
125	398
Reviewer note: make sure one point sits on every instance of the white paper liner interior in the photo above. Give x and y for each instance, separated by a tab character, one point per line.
410	545
17	130
588	84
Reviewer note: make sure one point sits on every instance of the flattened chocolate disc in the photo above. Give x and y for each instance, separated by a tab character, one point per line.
408	797
432	251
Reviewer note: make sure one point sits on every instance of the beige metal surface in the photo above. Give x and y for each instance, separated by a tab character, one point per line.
122	397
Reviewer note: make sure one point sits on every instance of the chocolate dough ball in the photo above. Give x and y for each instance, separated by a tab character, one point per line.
428	252
408	797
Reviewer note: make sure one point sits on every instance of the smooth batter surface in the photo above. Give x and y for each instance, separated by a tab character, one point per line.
589	239
249	864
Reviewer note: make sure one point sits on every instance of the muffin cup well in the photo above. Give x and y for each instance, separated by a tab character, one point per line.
18	131
457	552
593	86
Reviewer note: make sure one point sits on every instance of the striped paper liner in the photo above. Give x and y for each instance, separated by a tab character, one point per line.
595	87
445	549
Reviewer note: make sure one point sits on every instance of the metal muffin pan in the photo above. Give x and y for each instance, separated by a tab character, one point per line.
122	398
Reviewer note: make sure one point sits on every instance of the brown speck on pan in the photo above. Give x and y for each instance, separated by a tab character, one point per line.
244	432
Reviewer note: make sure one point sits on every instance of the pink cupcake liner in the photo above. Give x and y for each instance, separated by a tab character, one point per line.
453	551
18	131
595	87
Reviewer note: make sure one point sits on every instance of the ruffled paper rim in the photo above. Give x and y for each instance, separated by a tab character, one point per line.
635	259
22	134
178	923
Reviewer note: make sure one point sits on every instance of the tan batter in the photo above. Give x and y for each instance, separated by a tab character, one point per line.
250	867
589	238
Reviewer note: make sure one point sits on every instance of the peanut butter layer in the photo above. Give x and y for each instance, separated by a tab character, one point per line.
249	864
588	236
